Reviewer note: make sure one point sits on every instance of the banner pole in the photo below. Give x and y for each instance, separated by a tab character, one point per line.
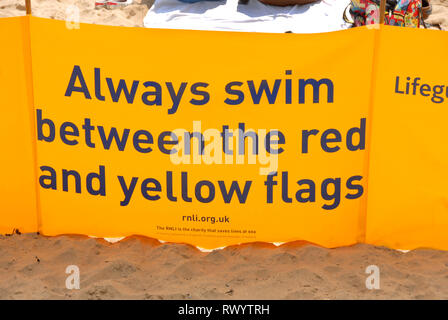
28	7
382	11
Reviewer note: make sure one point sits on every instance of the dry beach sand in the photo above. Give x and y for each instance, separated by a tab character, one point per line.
131	16
33	267
439	14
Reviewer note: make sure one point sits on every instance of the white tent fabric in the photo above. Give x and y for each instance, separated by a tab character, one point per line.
322	16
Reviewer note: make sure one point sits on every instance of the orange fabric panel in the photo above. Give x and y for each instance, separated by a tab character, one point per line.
18	186
215	58
408	193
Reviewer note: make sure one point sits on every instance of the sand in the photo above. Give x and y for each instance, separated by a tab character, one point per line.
33	267
439	14
132	16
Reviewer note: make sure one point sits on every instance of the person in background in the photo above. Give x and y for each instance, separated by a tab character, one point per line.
400	13
269	2
426	8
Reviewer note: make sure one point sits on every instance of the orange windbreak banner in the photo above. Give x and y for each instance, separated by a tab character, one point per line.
17	186
220	138
210	138
408	183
